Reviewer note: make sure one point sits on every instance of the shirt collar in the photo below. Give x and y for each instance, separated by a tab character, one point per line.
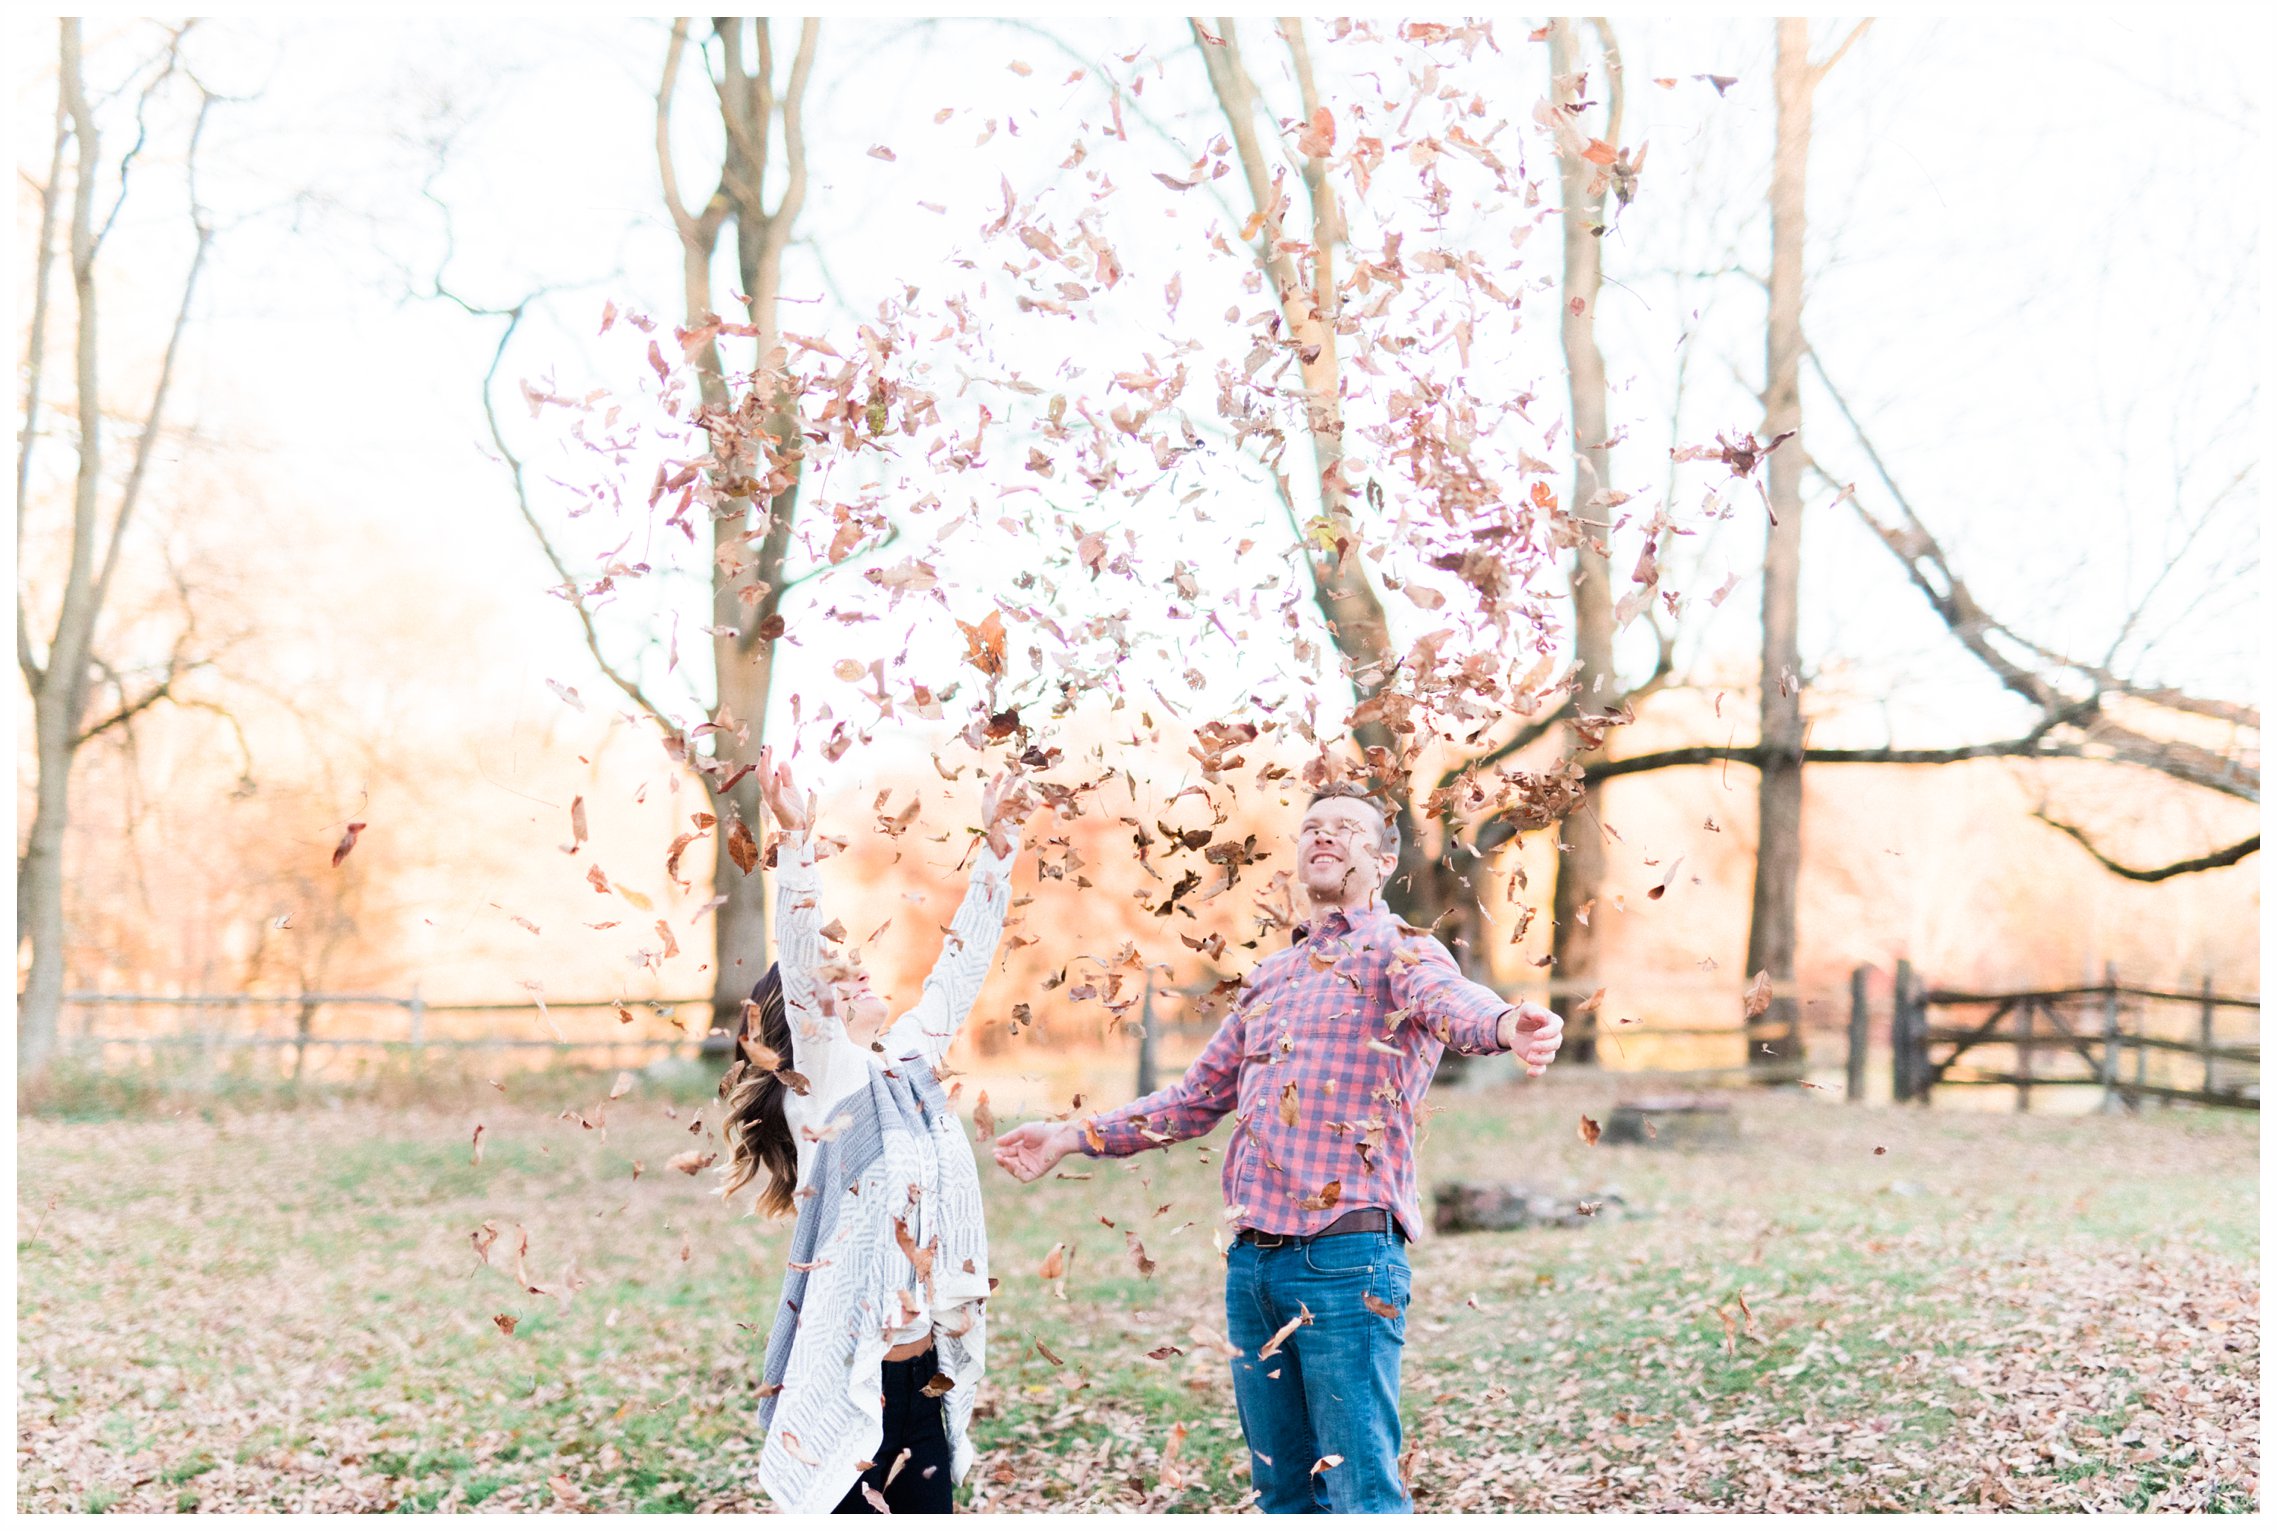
1336	922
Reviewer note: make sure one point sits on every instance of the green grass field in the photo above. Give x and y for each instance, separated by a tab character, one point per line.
285	1309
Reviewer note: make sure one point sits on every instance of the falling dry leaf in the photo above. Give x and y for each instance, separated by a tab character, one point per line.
1590	1131
1758	996
1272	1347
1055	1263
694	1161
347	842
505	1323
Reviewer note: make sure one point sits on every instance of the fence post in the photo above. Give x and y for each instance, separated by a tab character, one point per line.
1901	1033
2027	1027
418	1009
2206	1030
2110	1069
1146	1082
1856	1080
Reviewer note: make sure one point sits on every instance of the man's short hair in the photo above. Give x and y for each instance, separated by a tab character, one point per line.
1387	839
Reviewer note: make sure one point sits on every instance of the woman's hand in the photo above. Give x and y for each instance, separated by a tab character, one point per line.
793	810
1005	804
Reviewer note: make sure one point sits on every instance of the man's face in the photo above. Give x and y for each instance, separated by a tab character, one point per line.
1337	857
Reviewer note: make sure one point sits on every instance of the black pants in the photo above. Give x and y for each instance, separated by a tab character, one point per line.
917	1424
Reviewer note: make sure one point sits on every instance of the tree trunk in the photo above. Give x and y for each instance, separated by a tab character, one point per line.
1779	793
1581	837
39	895
748	551
59	693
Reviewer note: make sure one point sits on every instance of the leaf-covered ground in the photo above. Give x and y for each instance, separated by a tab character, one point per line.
286	1310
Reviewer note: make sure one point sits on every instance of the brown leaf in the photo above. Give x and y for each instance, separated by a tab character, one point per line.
694	1161
505	1323
1319	135
347	842
478	1142
1164	1352
1289	1104
1590	1131
1272	1346
939	1384
741	847
1758	996
1330	1195
984	644
983	1119
1378	1306
1138	1253
577	822
1325	1463
1055	1263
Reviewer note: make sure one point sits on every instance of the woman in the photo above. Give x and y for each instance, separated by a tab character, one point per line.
878	1339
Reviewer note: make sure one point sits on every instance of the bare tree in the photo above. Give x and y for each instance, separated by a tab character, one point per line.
63	679
754	473
1436	883
1581	202
1779	787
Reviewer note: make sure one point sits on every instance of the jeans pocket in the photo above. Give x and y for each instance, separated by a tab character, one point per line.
1345	1254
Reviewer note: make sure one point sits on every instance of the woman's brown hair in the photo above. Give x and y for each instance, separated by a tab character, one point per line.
757	1131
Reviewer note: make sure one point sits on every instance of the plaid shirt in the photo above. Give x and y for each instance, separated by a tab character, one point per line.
1322	1063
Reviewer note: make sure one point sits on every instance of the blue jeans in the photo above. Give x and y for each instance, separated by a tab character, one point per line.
1332	1389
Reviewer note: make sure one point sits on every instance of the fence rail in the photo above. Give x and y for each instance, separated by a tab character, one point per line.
2082	1022
2078	1024
303	1037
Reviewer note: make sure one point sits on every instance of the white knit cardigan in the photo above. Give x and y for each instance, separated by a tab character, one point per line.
862	1292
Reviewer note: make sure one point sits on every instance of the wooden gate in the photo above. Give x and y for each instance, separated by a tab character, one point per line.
2098	1036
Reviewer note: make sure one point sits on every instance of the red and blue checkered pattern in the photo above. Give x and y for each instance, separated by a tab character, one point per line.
1322	1064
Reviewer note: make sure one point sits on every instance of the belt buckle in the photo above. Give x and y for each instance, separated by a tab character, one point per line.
1265	1240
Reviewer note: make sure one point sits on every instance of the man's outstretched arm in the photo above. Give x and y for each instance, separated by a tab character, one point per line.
1470	1017
1187	1109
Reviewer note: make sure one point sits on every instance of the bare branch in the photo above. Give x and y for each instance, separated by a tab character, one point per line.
128	711
2228	856
780	221
672	202
624	683
1911	542
2030	746
171	63
1820	71
35	360
151	421
75	617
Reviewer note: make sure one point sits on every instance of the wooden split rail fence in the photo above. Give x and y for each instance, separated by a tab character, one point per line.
2095	1036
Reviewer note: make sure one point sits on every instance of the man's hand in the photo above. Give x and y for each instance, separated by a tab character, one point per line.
1034	1147
1533	1034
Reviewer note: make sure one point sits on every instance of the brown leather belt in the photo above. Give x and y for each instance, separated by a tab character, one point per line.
1358	1220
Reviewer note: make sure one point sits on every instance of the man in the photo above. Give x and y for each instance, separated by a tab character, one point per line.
1322	1063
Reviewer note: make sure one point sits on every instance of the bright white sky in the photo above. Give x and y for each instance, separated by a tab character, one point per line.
2034	271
